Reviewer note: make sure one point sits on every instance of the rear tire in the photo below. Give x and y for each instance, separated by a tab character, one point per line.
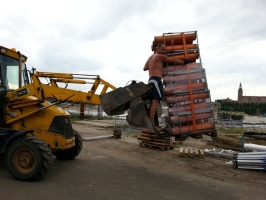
28	158
70	154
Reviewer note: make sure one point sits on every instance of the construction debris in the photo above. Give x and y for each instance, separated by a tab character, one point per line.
220	153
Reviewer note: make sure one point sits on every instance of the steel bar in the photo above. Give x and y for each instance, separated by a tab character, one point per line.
255	147
98	137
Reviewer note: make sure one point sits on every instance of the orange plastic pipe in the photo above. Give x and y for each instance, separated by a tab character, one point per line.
183	98
174	68
183	77
184	43
197	106
192	57
181	47
174	39
181	119
171	89
177	47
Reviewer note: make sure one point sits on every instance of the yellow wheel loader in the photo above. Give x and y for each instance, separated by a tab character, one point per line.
31	128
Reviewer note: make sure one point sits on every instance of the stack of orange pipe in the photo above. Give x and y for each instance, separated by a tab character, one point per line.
177	46
185	88
175	39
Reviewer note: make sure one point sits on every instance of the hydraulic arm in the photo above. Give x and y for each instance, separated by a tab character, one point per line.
52	90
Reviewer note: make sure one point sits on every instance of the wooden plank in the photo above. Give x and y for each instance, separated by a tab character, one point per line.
153	146
154	137
190	152
155	143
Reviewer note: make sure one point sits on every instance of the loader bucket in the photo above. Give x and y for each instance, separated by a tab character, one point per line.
137	115
118	101
130	98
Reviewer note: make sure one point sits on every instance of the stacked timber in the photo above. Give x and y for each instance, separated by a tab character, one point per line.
185	86
149	139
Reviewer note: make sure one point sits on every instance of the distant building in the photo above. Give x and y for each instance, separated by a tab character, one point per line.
249	99
228	100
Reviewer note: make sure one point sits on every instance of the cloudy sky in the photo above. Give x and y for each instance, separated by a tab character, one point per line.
112	38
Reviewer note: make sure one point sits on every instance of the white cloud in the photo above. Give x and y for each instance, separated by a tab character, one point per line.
112	38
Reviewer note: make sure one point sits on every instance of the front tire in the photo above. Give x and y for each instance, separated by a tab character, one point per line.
70	154
28	158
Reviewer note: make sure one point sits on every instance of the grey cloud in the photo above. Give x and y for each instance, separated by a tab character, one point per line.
110	15
68	45
64	56
235	20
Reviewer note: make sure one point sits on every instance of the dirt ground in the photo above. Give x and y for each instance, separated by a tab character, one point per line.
250	184
122	170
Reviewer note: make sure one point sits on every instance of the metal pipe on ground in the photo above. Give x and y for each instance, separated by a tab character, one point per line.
98	137
251	157
250	160
251	167
257	147
253	153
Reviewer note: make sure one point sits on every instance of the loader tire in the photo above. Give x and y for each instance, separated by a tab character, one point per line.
28	158
69	154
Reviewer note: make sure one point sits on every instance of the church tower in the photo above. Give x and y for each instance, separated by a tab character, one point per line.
240	94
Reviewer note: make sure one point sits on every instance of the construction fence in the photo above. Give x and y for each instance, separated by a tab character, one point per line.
121	123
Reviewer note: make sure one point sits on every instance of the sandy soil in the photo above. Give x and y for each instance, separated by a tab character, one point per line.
250	183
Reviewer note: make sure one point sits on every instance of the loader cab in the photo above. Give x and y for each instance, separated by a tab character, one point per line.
13	73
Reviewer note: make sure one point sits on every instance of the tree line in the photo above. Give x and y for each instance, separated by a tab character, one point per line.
248	108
